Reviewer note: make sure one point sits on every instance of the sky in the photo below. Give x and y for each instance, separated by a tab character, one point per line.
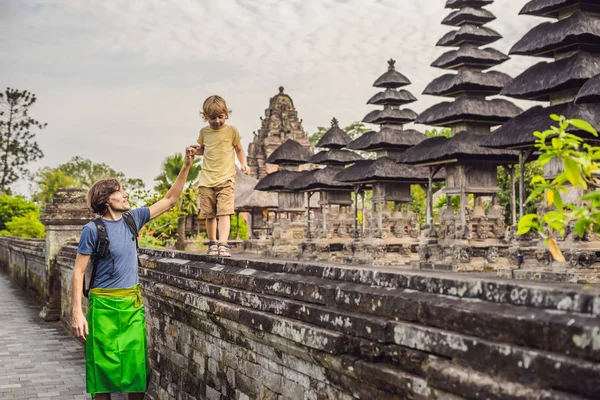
122	82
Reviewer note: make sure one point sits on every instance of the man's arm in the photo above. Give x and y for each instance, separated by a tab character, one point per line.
175	191
78	320
241	156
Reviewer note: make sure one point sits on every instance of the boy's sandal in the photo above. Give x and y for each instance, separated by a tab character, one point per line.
224	250
213	249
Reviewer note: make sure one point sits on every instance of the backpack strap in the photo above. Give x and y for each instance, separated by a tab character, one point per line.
133	228
100	251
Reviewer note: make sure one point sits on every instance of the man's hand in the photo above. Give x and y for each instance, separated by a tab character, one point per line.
190	155
245	169
79	324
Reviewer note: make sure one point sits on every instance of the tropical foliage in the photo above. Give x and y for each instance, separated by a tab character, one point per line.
581	169
188	202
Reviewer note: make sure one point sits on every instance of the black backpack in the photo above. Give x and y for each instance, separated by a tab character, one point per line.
102	249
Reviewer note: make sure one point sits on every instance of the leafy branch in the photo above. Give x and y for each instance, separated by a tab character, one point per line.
581	169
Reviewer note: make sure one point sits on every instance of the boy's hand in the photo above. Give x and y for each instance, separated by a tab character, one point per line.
245	169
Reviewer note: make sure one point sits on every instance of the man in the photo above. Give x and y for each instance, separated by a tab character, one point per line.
115	328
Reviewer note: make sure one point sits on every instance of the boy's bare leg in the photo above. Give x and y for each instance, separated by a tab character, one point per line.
135	396
102	396
211	229
224	226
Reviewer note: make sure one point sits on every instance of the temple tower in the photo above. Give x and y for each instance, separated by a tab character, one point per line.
471	170
279	124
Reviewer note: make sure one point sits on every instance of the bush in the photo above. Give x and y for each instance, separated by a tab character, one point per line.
14	206
27	226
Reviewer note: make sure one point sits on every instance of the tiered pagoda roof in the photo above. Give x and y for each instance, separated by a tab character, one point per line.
334	158
574	43
553	8
564	74
290	153
391	137
590	92
470	84
518	132
463	146
579	31
278	181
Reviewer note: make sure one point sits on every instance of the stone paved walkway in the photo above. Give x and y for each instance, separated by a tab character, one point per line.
38	360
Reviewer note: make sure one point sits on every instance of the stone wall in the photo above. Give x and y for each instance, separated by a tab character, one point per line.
241	329
24	261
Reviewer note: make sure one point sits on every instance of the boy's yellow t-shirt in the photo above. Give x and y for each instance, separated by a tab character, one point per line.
218	165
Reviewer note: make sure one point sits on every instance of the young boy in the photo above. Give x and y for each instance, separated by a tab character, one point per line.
217	143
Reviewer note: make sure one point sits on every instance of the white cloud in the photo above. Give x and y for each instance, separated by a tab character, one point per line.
121	81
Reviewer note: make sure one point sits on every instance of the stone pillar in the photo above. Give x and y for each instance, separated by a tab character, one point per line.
64	218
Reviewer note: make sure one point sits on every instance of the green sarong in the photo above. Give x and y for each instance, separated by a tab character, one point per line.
115	349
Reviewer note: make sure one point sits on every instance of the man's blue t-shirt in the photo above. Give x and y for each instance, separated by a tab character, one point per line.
122	248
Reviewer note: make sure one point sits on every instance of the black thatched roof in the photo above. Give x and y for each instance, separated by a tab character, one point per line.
335	137
395	116
290	152
335	157
470	34
469	15
589	92
383	169
391	79
553	8
470	57
278	181
387	138
518	132
255	199
467	3
319	179
468	81
427	146
371	116
579	31
543	79
462	146
392	97
469	109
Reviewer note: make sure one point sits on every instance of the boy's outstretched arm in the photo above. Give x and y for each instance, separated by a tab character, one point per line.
175	191
198	149
241	156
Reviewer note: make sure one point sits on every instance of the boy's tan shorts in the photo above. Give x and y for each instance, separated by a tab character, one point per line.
216	201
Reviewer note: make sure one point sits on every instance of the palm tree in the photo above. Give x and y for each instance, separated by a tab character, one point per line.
188	202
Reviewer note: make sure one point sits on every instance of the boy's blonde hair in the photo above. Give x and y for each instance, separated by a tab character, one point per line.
213	106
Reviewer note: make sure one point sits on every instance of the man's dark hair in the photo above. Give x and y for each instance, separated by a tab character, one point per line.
97	197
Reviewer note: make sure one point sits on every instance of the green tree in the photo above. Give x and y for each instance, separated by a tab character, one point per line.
25	226
188	202
356	129
81	173
17	144
14	206
446	132
504	197
49	181
243	228
581	169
